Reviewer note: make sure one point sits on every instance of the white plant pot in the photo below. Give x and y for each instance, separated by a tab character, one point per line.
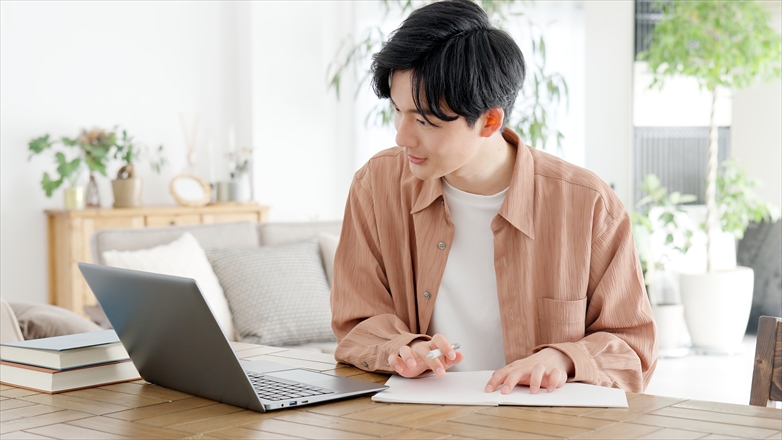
716	308
670	325
669	319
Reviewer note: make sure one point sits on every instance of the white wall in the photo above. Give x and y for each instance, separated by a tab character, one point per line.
681	103
756	135
609	92
257	67
68	65
303	136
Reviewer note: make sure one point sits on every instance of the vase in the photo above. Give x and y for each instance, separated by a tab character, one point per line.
74	198
716	308
91	194
240	188
127	192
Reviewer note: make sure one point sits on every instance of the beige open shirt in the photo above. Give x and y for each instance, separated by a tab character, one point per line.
568	275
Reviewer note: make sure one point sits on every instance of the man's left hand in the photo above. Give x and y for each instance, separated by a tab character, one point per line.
549	368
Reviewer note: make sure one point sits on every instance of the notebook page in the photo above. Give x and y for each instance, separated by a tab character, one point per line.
467	388
570	394
462	388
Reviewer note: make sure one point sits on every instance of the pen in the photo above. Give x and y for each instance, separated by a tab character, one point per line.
437	352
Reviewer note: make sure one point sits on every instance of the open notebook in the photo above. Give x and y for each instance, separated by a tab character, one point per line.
467	388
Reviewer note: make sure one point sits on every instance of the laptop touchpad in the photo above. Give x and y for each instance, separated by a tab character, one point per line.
264	366
328	381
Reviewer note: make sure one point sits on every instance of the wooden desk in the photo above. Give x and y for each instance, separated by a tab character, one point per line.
141	410
69	235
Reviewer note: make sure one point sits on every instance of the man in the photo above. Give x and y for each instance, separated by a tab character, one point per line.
464	234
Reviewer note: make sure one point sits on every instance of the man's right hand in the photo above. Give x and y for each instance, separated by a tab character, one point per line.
411	360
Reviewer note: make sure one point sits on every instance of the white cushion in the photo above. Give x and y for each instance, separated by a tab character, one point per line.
328	249
183	257
9	326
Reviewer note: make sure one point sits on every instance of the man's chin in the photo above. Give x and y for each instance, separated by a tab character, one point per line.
420	172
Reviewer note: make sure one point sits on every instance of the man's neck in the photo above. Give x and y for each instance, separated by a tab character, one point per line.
492	171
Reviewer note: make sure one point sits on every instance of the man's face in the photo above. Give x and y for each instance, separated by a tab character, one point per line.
433	152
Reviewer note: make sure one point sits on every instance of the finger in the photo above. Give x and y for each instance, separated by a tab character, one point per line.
450	363
562	380
536	377
436	366
395	362
406	353
514	377
554	379
401	368
496	379
440	342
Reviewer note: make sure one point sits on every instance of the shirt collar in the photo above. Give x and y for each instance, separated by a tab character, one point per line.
519	205
519	202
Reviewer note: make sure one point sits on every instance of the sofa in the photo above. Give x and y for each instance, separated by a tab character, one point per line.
275	277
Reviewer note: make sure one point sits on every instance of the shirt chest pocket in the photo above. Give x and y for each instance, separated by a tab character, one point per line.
561	321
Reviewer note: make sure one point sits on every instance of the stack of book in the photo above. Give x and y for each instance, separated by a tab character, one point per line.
66	363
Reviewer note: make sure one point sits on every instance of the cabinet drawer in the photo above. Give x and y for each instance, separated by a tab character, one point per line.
167	220
118	222
228	218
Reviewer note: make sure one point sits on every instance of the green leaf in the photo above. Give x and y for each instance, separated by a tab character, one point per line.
666	217
50	185
95	165
65	168
37	145
728	44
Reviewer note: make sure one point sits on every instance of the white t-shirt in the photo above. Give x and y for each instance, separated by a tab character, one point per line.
467	309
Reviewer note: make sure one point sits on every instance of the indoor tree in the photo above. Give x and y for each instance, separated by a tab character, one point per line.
726	44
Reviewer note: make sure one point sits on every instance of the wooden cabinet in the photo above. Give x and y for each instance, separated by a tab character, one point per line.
69	235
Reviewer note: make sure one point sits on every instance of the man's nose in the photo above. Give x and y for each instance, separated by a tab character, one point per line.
405	136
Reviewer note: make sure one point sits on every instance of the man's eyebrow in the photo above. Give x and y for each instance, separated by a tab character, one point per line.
413	111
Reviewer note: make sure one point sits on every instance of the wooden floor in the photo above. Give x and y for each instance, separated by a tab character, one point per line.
141	410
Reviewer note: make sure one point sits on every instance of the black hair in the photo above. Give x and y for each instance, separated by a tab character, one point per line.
456	58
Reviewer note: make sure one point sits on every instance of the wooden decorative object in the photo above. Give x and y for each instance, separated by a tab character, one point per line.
190	190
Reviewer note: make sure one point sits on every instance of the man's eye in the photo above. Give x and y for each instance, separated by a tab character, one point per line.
424	123
396	110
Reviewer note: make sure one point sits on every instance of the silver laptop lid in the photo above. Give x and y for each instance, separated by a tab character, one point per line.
171	334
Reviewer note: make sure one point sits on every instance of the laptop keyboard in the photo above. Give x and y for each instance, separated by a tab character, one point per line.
271	388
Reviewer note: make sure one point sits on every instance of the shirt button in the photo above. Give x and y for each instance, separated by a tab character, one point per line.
441	245
427	295
365	365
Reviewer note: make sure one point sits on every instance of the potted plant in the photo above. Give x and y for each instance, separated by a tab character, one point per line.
728	45
660	237
127	187
91	150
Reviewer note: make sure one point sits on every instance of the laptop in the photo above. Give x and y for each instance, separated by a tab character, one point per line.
174	341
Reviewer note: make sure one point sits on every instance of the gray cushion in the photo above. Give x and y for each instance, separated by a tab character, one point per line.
278	295
44	321
218	235
276	233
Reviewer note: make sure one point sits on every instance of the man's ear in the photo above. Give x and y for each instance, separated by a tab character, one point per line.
492	121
